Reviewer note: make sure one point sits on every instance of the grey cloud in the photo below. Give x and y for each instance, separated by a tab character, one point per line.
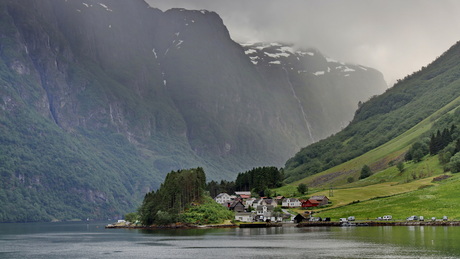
396	37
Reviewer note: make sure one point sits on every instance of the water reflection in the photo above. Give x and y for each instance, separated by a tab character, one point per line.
429	239
78	240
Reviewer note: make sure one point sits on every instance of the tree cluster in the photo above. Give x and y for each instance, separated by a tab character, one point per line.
441	140
365	172
259	179
215	188
180	189
417	151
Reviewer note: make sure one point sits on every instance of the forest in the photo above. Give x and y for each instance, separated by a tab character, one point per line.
257	180
182	198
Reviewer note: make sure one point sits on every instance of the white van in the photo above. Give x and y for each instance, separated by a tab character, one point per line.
343	220
387	217
411	218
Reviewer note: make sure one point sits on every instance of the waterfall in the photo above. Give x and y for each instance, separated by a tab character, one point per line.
304	115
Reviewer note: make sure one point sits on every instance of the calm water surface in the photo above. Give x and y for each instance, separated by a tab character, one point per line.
92	240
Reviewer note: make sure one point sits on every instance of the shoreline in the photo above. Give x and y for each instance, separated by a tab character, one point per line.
379	223
300	225
174	226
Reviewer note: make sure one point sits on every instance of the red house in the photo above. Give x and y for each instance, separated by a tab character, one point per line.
310	203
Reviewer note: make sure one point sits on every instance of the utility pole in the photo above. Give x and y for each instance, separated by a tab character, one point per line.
331	191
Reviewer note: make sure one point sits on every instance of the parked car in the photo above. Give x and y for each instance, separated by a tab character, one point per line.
444	218
379	218
387	217
316	219
421	218
343	220
411	218
351	218
433	218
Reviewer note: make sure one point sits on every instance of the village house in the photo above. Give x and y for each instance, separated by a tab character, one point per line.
279	199
249	202
268	201
299	218
243	195
291	203
264	212
310	203
237	206
223	198
323	200
245	216
256	202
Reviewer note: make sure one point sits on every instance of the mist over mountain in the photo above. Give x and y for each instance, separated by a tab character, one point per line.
101	99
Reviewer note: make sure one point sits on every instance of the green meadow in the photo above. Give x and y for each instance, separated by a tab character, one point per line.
430	200
388	191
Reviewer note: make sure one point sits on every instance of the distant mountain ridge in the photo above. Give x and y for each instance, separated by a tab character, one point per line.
325	90
101	99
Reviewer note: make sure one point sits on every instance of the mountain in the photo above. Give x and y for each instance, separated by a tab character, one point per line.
326	91
387	127
101	99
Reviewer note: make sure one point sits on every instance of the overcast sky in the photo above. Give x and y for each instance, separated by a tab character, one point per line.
396	37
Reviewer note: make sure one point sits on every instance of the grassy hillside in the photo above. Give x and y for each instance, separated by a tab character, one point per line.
389	191
384	130
434	200
384	117
381	157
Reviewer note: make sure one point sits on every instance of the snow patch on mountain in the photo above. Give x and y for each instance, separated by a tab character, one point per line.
286	49
250	51
105	7
319	73
304	61
303	53
347	69
277	55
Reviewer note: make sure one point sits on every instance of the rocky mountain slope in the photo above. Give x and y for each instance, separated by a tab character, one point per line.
101	99
323	89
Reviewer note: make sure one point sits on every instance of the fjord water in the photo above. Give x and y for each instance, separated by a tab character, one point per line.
92	240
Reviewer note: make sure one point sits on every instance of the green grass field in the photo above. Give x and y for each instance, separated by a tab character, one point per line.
378	158
387	191
435	200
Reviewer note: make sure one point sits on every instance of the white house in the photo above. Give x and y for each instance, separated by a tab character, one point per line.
244	216
264	212
223	198
249	202
291	203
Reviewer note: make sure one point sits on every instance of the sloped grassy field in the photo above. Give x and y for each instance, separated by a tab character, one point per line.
432	200
388	191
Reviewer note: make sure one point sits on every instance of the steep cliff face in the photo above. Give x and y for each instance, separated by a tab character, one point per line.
325	91
100	99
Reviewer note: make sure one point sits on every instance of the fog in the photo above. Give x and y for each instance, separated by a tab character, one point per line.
393	36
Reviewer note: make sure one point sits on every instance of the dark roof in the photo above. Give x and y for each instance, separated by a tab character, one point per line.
318	197
299	217
233	205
